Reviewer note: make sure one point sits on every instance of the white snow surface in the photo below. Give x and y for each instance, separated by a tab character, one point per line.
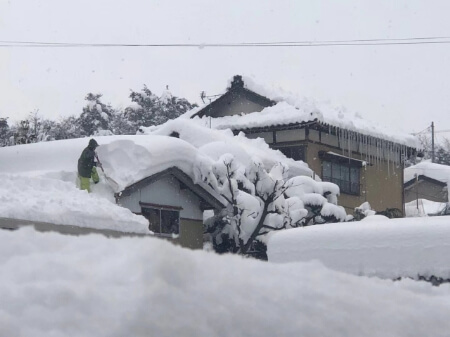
293	108
56	285
423	207
60	202
376	247
431	170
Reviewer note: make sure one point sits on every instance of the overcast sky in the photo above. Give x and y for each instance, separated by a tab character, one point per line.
405	85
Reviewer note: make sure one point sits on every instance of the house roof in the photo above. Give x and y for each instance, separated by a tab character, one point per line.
421	177
291	110
205	196
235	90
436	172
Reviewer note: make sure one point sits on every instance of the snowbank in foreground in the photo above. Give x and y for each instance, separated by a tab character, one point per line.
387	248
62	203
55	285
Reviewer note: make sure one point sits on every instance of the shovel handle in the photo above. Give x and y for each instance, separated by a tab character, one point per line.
99	162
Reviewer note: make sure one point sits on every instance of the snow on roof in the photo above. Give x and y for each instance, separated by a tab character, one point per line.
126	159
48	178
223	141
388	248
292	108
61	202
431	170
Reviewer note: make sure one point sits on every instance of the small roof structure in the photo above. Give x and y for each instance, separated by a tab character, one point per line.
235	90
432	172
208	200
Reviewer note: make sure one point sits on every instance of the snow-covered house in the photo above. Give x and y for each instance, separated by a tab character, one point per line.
427	181
364	160
173	205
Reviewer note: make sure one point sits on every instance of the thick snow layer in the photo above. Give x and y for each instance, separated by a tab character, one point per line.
431	170
126	159
55	285
384	248
62	203
48	179
199	137
292	108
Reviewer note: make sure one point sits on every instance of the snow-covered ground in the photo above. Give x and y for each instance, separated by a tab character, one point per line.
56	285
375	246
423	207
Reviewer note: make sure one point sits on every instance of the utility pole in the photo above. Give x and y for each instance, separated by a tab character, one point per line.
432	142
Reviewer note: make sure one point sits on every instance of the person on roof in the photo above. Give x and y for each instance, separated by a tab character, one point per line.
87	166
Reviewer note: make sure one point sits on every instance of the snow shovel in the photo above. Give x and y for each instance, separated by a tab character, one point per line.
111	181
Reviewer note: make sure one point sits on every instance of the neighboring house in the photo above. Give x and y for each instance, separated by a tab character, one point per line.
364	161
173	204
427	181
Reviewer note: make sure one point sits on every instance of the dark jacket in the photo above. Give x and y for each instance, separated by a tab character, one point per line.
86	162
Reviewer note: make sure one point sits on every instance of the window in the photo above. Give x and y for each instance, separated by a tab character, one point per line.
162	221
345	176
294	152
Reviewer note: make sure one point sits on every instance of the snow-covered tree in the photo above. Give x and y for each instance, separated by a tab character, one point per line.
149	109
96	115
171	107
260	201
4	131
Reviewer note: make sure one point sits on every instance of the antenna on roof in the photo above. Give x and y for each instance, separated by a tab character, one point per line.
202	96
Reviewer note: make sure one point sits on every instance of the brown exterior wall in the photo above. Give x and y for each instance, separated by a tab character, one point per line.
380	186
191	234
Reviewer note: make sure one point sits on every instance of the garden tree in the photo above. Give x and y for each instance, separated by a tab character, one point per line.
260	201
142	111
65	128
4	131
120	125
39	128
441	150
149	109
171	107
95	116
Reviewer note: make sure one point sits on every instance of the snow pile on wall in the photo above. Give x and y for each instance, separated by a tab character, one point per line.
387	249
55	285
431	170
62	203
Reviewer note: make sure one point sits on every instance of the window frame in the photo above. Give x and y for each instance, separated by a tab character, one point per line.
160	209
335	166
296	147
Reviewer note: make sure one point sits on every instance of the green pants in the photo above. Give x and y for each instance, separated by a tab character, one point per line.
85	183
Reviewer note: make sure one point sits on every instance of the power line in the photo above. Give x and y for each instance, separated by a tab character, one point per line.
325	43
424	130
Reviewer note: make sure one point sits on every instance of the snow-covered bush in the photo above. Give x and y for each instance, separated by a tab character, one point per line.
262	200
